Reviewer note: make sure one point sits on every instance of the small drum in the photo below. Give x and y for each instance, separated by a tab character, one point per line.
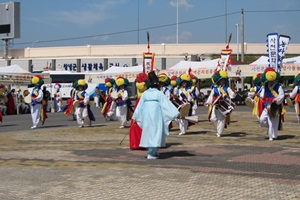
27	99
249	102
114	94
289	102
193	119
184	109
76	103
273	109
224	107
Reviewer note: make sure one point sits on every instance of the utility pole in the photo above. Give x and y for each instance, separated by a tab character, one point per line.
138	22
225	21
242	35
177	23
237	42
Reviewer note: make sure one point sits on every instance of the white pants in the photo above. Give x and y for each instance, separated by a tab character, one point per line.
82	115
271	123
36	114
218	120
297	111
96	100
183	125
121	114
194	108
57	105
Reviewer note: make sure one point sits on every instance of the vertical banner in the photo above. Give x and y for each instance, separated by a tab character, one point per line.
225	59
148	62
272	44
283	45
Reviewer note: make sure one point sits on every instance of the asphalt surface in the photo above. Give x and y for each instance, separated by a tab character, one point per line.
62	161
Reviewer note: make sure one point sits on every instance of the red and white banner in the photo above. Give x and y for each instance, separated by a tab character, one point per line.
148	62
225	60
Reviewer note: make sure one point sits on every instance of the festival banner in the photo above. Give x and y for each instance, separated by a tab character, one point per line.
283	44
272	45
148	62
225	59
148	58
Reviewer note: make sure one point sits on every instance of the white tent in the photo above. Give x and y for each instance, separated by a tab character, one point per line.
14	74
203	69
263	60
195	65
292	60
121	70
13	69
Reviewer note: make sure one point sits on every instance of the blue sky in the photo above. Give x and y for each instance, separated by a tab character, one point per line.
110	22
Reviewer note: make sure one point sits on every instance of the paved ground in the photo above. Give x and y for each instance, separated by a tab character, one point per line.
90	163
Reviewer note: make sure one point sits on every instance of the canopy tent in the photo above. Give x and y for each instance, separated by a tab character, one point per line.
290	66
14	74
202	70
121	70
13	69
194	65
263	60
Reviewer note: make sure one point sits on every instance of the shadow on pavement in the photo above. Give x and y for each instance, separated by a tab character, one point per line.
235	134
196	132
171	144
285	137
166	155
6	125
54	126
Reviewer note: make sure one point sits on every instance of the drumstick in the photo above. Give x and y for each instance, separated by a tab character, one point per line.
123	138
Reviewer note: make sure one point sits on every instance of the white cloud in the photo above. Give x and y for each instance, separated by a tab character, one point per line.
89	15
184	36
181	3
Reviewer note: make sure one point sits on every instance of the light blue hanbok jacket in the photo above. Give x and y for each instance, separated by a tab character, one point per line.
154	114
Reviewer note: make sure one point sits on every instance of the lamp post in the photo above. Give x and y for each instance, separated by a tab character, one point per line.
237	42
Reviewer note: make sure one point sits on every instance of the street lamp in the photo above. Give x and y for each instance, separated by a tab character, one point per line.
237	42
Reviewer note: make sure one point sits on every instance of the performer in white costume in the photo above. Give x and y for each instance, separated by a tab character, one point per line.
57	98
295	95
81	102
184	97
109	108
36	100
194	93
220	93
272	96
121	101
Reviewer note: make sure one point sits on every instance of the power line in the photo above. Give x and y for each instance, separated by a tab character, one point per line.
153	27
257	11
127	31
